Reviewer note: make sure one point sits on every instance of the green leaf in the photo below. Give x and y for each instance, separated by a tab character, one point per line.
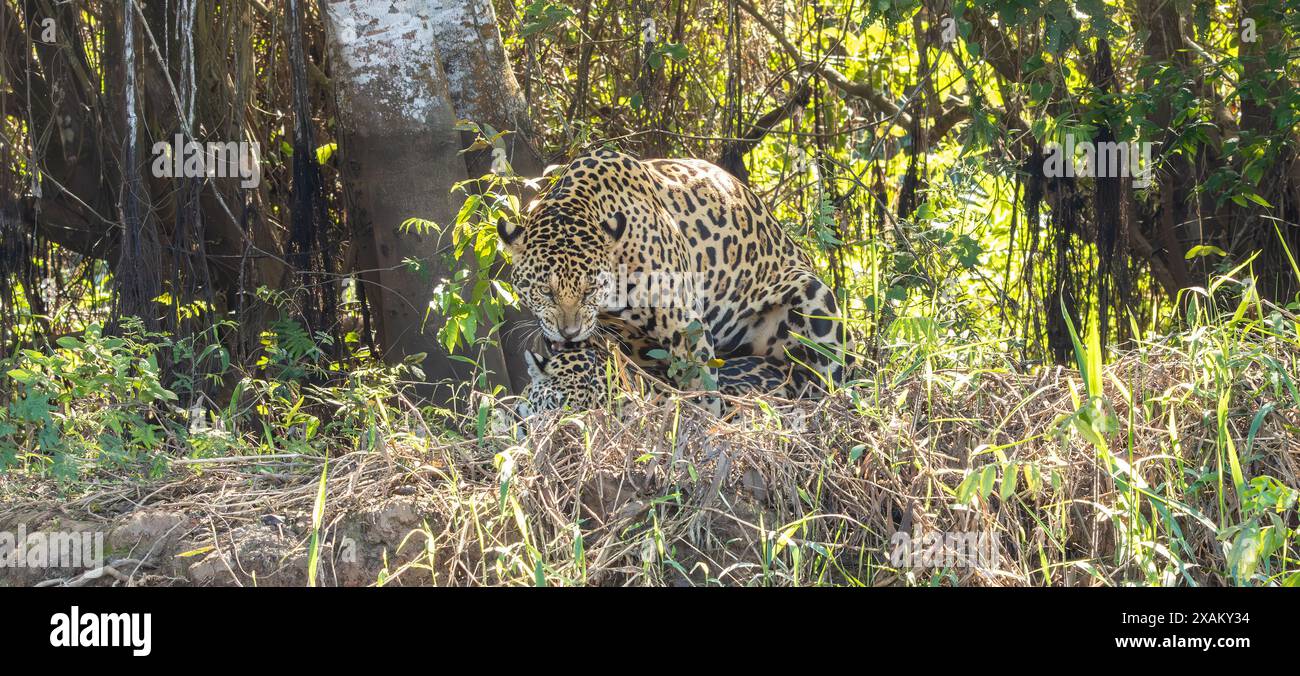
419	225
1244	555
1009	477
987	477
1202	250
675	51
317	516
1258	200
325	152
966	489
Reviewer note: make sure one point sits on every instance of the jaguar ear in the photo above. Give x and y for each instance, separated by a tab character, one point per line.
615	225
536	364
511	236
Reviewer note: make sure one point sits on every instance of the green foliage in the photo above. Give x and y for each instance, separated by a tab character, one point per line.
92	398
543	15
473	299
685	371
99	402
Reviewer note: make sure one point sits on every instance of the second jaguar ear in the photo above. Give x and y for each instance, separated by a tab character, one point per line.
536	363
511	236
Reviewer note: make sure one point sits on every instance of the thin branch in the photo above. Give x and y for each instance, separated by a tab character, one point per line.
833	77
734	151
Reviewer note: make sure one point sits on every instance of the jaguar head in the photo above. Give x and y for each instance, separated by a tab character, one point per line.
563	269
574	377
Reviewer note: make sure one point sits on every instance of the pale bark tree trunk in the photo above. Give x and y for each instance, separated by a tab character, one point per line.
484	90
399	153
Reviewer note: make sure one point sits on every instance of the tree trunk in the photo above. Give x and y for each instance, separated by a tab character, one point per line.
399	150
483	89
1164	45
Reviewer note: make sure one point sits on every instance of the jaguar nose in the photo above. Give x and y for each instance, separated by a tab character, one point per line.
571	332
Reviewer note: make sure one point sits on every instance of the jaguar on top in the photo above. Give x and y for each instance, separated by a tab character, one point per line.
609	216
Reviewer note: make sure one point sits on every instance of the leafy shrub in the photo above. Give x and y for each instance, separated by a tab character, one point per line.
93	397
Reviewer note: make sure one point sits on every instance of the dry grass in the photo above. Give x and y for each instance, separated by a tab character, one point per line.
655	492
